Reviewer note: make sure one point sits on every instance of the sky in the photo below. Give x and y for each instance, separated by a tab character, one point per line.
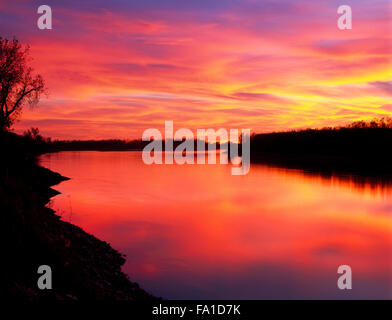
116	68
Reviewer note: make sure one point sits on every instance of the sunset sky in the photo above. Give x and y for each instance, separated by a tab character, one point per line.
116	68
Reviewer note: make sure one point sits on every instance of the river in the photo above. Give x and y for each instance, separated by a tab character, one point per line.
198	232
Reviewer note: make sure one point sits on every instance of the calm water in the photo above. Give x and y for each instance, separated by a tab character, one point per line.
196	231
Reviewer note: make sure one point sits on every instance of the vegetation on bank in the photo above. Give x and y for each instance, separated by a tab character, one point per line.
48	145
361	146
356	138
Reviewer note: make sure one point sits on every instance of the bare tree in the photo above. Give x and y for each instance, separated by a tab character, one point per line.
18	85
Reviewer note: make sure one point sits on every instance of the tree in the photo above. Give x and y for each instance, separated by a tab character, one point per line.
18	85
33	134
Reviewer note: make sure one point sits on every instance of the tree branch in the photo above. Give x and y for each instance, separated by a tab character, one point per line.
20	99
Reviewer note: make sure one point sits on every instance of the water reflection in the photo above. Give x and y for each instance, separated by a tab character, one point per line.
196	231
378	185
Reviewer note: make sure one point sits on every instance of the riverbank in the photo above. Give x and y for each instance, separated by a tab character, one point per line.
83	267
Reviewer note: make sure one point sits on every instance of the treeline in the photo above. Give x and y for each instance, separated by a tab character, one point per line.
364	139
97	145
107	145
360	145
48	145
359	138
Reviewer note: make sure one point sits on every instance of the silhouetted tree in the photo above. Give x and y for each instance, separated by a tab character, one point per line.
385	123
33	134
18	85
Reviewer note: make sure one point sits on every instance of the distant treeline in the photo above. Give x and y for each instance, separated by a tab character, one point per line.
360	138
108	145
355	146
49	145
98	145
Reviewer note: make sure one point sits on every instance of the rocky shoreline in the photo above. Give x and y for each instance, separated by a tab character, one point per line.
83	267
